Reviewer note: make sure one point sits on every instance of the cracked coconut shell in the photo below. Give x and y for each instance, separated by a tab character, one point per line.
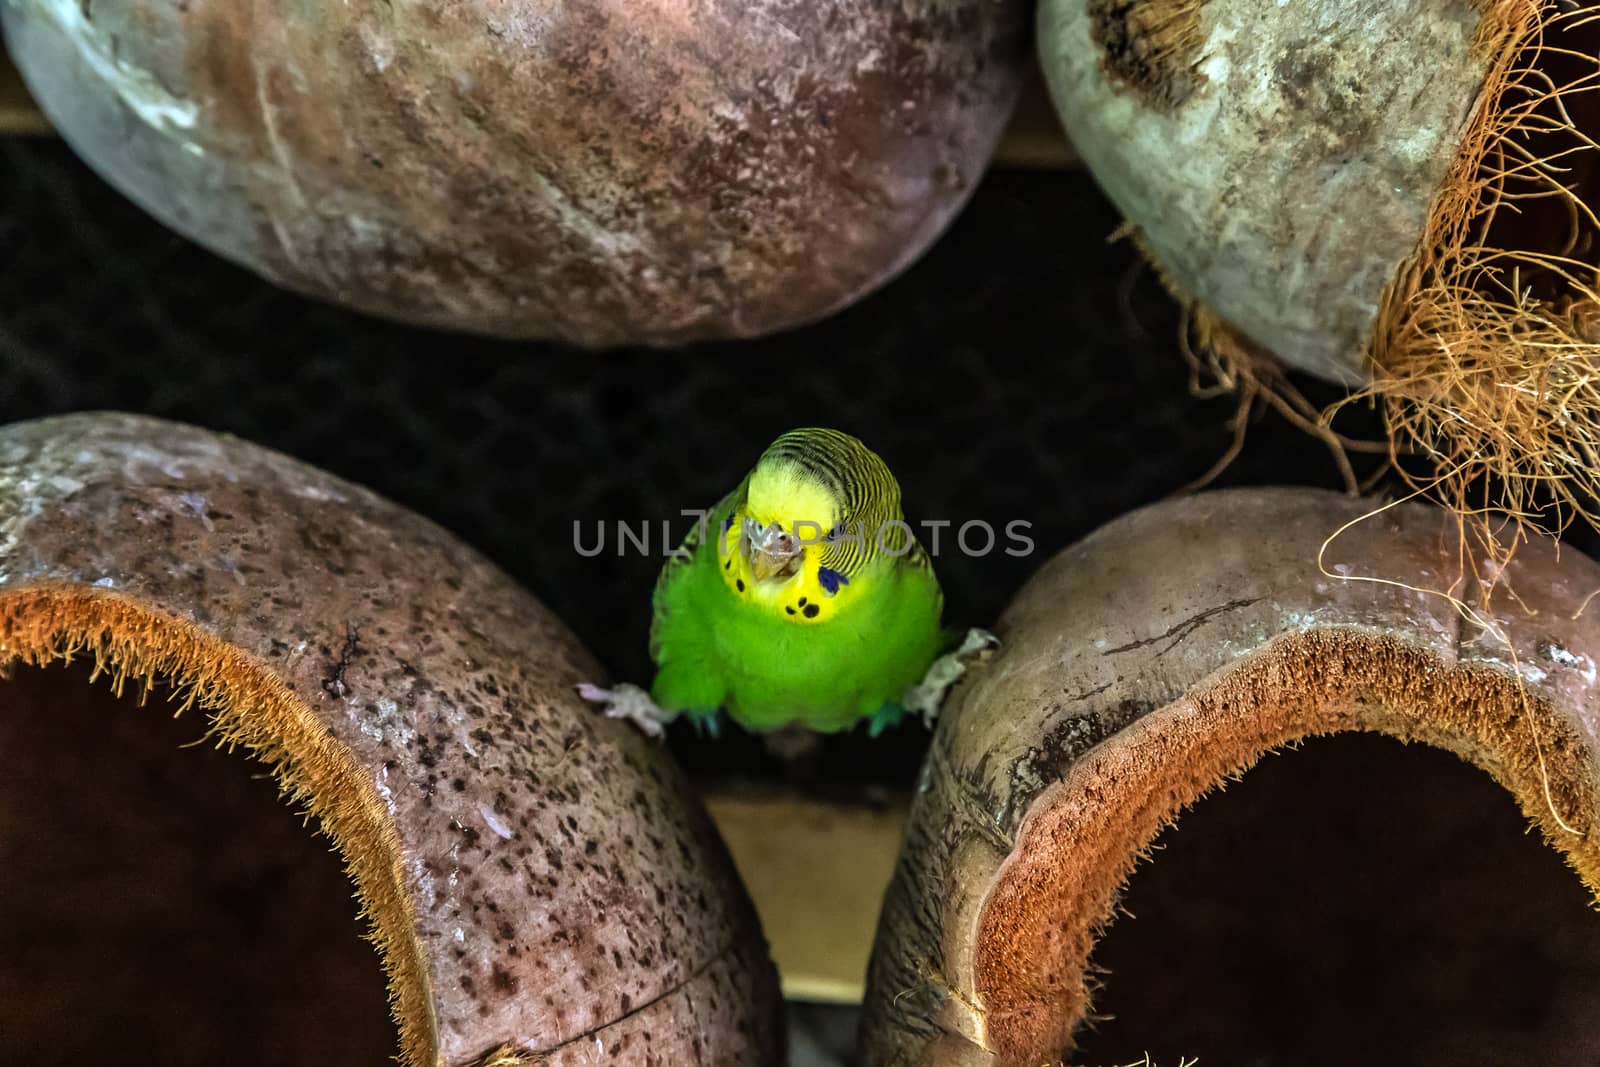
604	173
1150	664
538	881
1394	197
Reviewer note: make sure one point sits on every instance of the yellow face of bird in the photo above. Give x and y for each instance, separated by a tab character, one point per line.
771	550
776	550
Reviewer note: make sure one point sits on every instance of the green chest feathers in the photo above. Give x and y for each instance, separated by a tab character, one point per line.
797	652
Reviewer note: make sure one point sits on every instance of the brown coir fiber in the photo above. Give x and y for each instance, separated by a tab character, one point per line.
1485	358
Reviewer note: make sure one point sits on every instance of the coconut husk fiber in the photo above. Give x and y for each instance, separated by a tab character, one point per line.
1484	356
1077	886
279	751
1396	197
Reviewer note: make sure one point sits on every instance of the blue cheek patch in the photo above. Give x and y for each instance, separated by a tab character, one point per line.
831	580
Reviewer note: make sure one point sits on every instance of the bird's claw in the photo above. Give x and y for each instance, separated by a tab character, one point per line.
627	701
706	723
926	697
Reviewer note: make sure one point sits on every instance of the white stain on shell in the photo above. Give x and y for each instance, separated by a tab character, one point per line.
494	822
1575	661
153	103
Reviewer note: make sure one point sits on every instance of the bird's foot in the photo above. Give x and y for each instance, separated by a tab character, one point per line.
626	701
707	722
925	697
885	717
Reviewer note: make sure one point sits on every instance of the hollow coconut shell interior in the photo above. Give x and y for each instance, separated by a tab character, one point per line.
538	882
1390	196
1149	666
603	173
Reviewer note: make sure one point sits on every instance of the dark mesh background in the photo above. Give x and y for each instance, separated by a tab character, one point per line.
1025	369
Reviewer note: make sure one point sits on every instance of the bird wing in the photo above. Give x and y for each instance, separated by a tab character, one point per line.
687	556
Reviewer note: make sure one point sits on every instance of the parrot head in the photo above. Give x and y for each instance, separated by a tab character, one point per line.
810	523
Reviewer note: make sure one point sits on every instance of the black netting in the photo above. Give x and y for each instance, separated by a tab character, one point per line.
1025	369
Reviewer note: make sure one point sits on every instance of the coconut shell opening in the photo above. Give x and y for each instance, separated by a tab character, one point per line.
1078	844
158	901
125	652
1355	900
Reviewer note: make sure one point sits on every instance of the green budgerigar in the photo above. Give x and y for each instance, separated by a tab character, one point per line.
803	598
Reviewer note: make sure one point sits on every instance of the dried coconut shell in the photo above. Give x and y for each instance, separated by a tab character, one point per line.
538	881
1149	665
603	173
1395	197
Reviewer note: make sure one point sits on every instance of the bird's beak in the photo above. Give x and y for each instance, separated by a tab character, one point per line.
765	565
772	553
